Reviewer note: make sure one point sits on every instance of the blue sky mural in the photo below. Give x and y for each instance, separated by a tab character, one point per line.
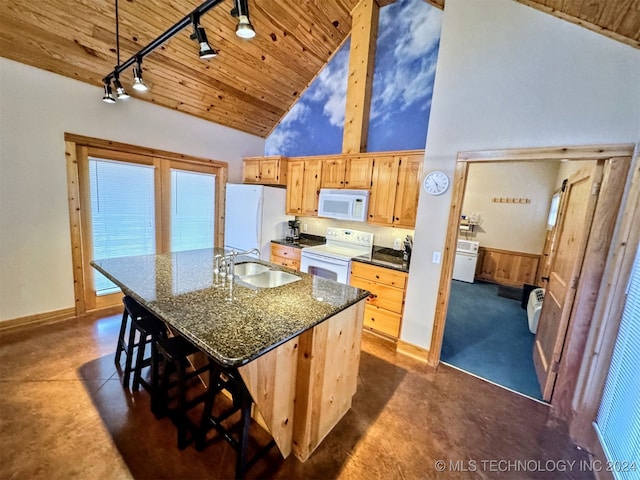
406	54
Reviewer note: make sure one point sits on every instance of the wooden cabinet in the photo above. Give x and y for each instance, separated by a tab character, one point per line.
383	189
385	305
333	171
347	172
408	191
303	187
285	256
265	170
311	187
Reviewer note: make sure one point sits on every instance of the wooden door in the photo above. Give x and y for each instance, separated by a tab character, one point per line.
311	187
383	189
333	172
358	172
572	231
408	191
295	183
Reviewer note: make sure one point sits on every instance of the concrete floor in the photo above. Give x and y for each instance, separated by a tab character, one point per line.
64	414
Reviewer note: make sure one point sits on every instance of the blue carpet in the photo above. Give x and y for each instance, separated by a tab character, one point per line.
488	335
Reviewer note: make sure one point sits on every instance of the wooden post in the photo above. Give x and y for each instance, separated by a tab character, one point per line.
364	32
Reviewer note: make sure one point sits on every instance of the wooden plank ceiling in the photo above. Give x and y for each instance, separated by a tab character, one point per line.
251	84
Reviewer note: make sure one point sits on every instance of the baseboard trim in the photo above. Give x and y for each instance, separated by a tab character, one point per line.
413	351
39	318
57	316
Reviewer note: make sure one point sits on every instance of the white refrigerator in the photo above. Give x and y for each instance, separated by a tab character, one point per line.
254	215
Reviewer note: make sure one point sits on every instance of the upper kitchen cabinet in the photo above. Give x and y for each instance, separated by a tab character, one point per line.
303	187
383	189
347	172
408	190
265	170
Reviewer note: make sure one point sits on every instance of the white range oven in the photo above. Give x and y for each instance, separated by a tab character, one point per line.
333	259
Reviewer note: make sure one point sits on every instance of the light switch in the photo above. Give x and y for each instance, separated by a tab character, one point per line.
436	257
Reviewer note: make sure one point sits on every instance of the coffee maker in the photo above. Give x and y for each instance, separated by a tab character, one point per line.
294	231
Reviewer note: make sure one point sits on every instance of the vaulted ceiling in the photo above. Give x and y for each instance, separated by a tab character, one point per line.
251	84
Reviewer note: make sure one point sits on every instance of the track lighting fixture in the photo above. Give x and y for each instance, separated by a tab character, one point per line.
108	94
244	29
138	83
200	36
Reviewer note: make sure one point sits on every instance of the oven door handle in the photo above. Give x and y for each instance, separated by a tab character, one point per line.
323	259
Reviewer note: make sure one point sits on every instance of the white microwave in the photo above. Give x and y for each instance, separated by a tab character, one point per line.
343	204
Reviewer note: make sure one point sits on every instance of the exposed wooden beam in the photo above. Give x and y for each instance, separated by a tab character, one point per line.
364	32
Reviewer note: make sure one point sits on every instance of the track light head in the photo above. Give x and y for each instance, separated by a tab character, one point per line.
120	91
244	29
199	34
108	94
138	83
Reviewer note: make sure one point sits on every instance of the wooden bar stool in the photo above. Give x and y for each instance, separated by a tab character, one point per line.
174	374
145	329
229	379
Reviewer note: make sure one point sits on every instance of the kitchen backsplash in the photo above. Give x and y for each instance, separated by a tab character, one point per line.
383	236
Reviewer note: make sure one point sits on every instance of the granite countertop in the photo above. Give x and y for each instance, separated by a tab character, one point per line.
385	257
231	321
305	240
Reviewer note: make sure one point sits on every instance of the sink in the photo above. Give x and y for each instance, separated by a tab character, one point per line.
249	268
270	279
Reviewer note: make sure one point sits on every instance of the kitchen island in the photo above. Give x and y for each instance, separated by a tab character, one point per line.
296	346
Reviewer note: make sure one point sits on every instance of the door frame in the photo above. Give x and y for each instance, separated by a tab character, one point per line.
617	160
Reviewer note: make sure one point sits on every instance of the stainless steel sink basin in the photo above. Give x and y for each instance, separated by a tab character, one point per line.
249	268
270	279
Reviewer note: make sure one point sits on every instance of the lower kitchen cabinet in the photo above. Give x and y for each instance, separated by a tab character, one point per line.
384	307
285	256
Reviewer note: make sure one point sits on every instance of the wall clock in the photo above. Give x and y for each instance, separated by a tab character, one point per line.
436	183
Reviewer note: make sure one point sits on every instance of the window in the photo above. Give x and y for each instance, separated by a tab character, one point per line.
127	200
618	420
192	210
122	213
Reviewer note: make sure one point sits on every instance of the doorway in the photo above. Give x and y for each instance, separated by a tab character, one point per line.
505	213
616	160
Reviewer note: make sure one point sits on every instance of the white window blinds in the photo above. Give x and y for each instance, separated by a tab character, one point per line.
122	212
618	421
192	210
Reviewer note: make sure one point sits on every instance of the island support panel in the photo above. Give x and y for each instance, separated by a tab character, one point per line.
304	387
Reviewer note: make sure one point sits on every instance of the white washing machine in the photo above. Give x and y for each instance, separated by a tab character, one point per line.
464	266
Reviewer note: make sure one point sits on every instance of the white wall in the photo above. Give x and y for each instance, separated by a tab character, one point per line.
519	227
509	76
36	109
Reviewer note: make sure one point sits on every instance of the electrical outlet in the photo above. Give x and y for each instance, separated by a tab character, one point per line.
304	228
436	257
397	244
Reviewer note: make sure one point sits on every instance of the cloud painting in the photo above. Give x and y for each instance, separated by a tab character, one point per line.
406	54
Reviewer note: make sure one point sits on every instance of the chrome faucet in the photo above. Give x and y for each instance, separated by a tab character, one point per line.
225	264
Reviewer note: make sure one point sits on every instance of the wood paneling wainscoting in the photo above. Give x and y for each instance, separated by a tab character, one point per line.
506	267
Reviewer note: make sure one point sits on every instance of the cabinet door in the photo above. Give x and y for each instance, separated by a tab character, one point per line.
295	183
311	187
408	191
358	172
333	171
269	169
251	171
383	189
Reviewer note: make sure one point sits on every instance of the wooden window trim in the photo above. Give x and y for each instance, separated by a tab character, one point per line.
77	150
